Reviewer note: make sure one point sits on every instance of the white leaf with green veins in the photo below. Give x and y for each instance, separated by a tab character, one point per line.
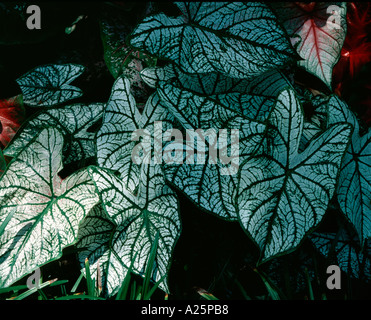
137	219
46	210
354	187
241	40
283	195
49	85
115	140
205	179
196	108
320	40
73	121
266	86
213	186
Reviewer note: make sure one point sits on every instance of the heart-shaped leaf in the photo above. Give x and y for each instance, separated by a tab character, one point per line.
284	194
318	33
73	121
122	127
137	220
354	186
242	40
224	131
136	200
49	85
46	210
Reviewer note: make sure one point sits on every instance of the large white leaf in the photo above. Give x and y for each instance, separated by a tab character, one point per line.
190	100
45	210
137	220
49	85
134	195
73	121
202	176
121	124
318	34
284	194
242	40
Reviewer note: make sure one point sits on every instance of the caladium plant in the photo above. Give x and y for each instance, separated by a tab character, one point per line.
42	212
73	120
342	249
354	186
105	177
229	38
49	85
310	28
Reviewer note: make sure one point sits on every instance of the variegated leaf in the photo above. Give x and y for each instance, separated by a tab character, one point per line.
318	35
73	121
241	40
45	210
123	125
284	195
49	85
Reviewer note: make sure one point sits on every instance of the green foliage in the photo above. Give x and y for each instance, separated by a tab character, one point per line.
89	174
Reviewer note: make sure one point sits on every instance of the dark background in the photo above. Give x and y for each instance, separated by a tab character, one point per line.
211	254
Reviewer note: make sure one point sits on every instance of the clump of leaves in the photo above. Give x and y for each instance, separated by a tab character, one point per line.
213	66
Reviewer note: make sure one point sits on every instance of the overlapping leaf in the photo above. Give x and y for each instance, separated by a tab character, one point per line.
208	101
242	40
45	210
318	34
73	121
136	200
201	174
137	219
234	106
354	187
283	195
49	85
123	125
344	251
265	87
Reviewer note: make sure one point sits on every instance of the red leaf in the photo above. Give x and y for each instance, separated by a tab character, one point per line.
11	117
356	50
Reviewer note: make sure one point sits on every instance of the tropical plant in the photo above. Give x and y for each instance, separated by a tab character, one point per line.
106	177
